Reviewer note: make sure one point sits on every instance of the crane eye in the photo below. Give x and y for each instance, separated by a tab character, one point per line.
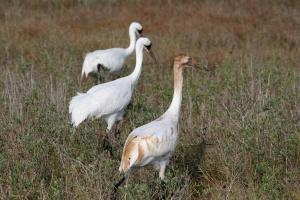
128	158
140	31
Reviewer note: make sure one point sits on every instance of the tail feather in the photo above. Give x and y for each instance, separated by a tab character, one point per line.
79	109
132	153
86	67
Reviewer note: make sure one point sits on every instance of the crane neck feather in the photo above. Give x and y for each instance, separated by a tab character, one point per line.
131	46
138	66
174	108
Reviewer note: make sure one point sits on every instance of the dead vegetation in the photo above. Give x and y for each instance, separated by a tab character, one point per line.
240	122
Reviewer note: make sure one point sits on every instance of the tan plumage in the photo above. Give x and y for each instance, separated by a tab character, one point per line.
155	142
140	145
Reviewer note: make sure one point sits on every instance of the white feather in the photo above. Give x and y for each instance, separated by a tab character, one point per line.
108	100
111	59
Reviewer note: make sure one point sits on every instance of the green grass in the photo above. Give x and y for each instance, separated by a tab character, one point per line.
240	119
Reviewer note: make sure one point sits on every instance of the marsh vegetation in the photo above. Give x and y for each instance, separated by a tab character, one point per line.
240	119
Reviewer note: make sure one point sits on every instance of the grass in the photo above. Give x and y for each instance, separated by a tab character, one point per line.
239	128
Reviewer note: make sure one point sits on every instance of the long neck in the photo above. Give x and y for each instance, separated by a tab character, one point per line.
174	109
131	46
138	66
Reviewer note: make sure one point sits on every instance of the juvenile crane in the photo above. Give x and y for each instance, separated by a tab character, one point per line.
154	143
109	100
113	59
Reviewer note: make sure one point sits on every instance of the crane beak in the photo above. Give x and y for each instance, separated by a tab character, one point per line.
193	64
140	32
148	49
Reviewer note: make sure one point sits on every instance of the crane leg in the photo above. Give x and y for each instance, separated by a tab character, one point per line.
163	165
112	123
115	129
99	79
162	169
117	185
162	190
73	130
107	146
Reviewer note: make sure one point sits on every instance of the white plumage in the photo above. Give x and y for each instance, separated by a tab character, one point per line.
155	142
110	59
108	100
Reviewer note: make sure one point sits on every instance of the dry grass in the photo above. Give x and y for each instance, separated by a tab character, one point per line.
240	122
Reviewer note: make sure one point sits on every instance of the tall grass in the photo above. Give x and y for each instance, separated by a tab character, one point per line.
239	128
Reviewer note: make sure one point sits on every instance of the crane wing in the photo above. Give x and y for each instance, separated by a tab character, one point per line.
157	138
109	58
111	97
100	101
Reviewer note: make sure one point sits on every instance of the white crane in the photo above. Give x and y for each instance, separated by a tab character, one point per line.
154	143
112	59
109	100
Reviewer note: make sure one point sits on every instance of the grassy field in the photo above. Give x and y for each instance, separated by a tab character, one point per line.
240	120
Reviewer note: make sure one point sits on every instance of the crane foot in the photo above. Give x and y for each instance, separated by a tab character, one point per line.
107	146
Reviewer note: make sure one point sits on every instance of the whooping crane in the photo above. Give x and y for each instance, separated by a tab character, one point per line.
109	100
154	143
113	59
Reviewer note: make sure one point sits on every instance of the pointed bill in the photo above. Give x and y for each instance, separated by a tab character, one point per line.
148	49
193	63
140	33
153	57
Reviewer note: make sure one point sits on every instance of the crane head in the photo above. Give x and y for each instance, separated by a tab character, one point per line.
185	61
147	45
140	32
137	27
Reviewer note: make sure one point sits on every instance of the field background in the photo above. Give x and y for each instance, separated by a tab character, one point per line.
239	128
